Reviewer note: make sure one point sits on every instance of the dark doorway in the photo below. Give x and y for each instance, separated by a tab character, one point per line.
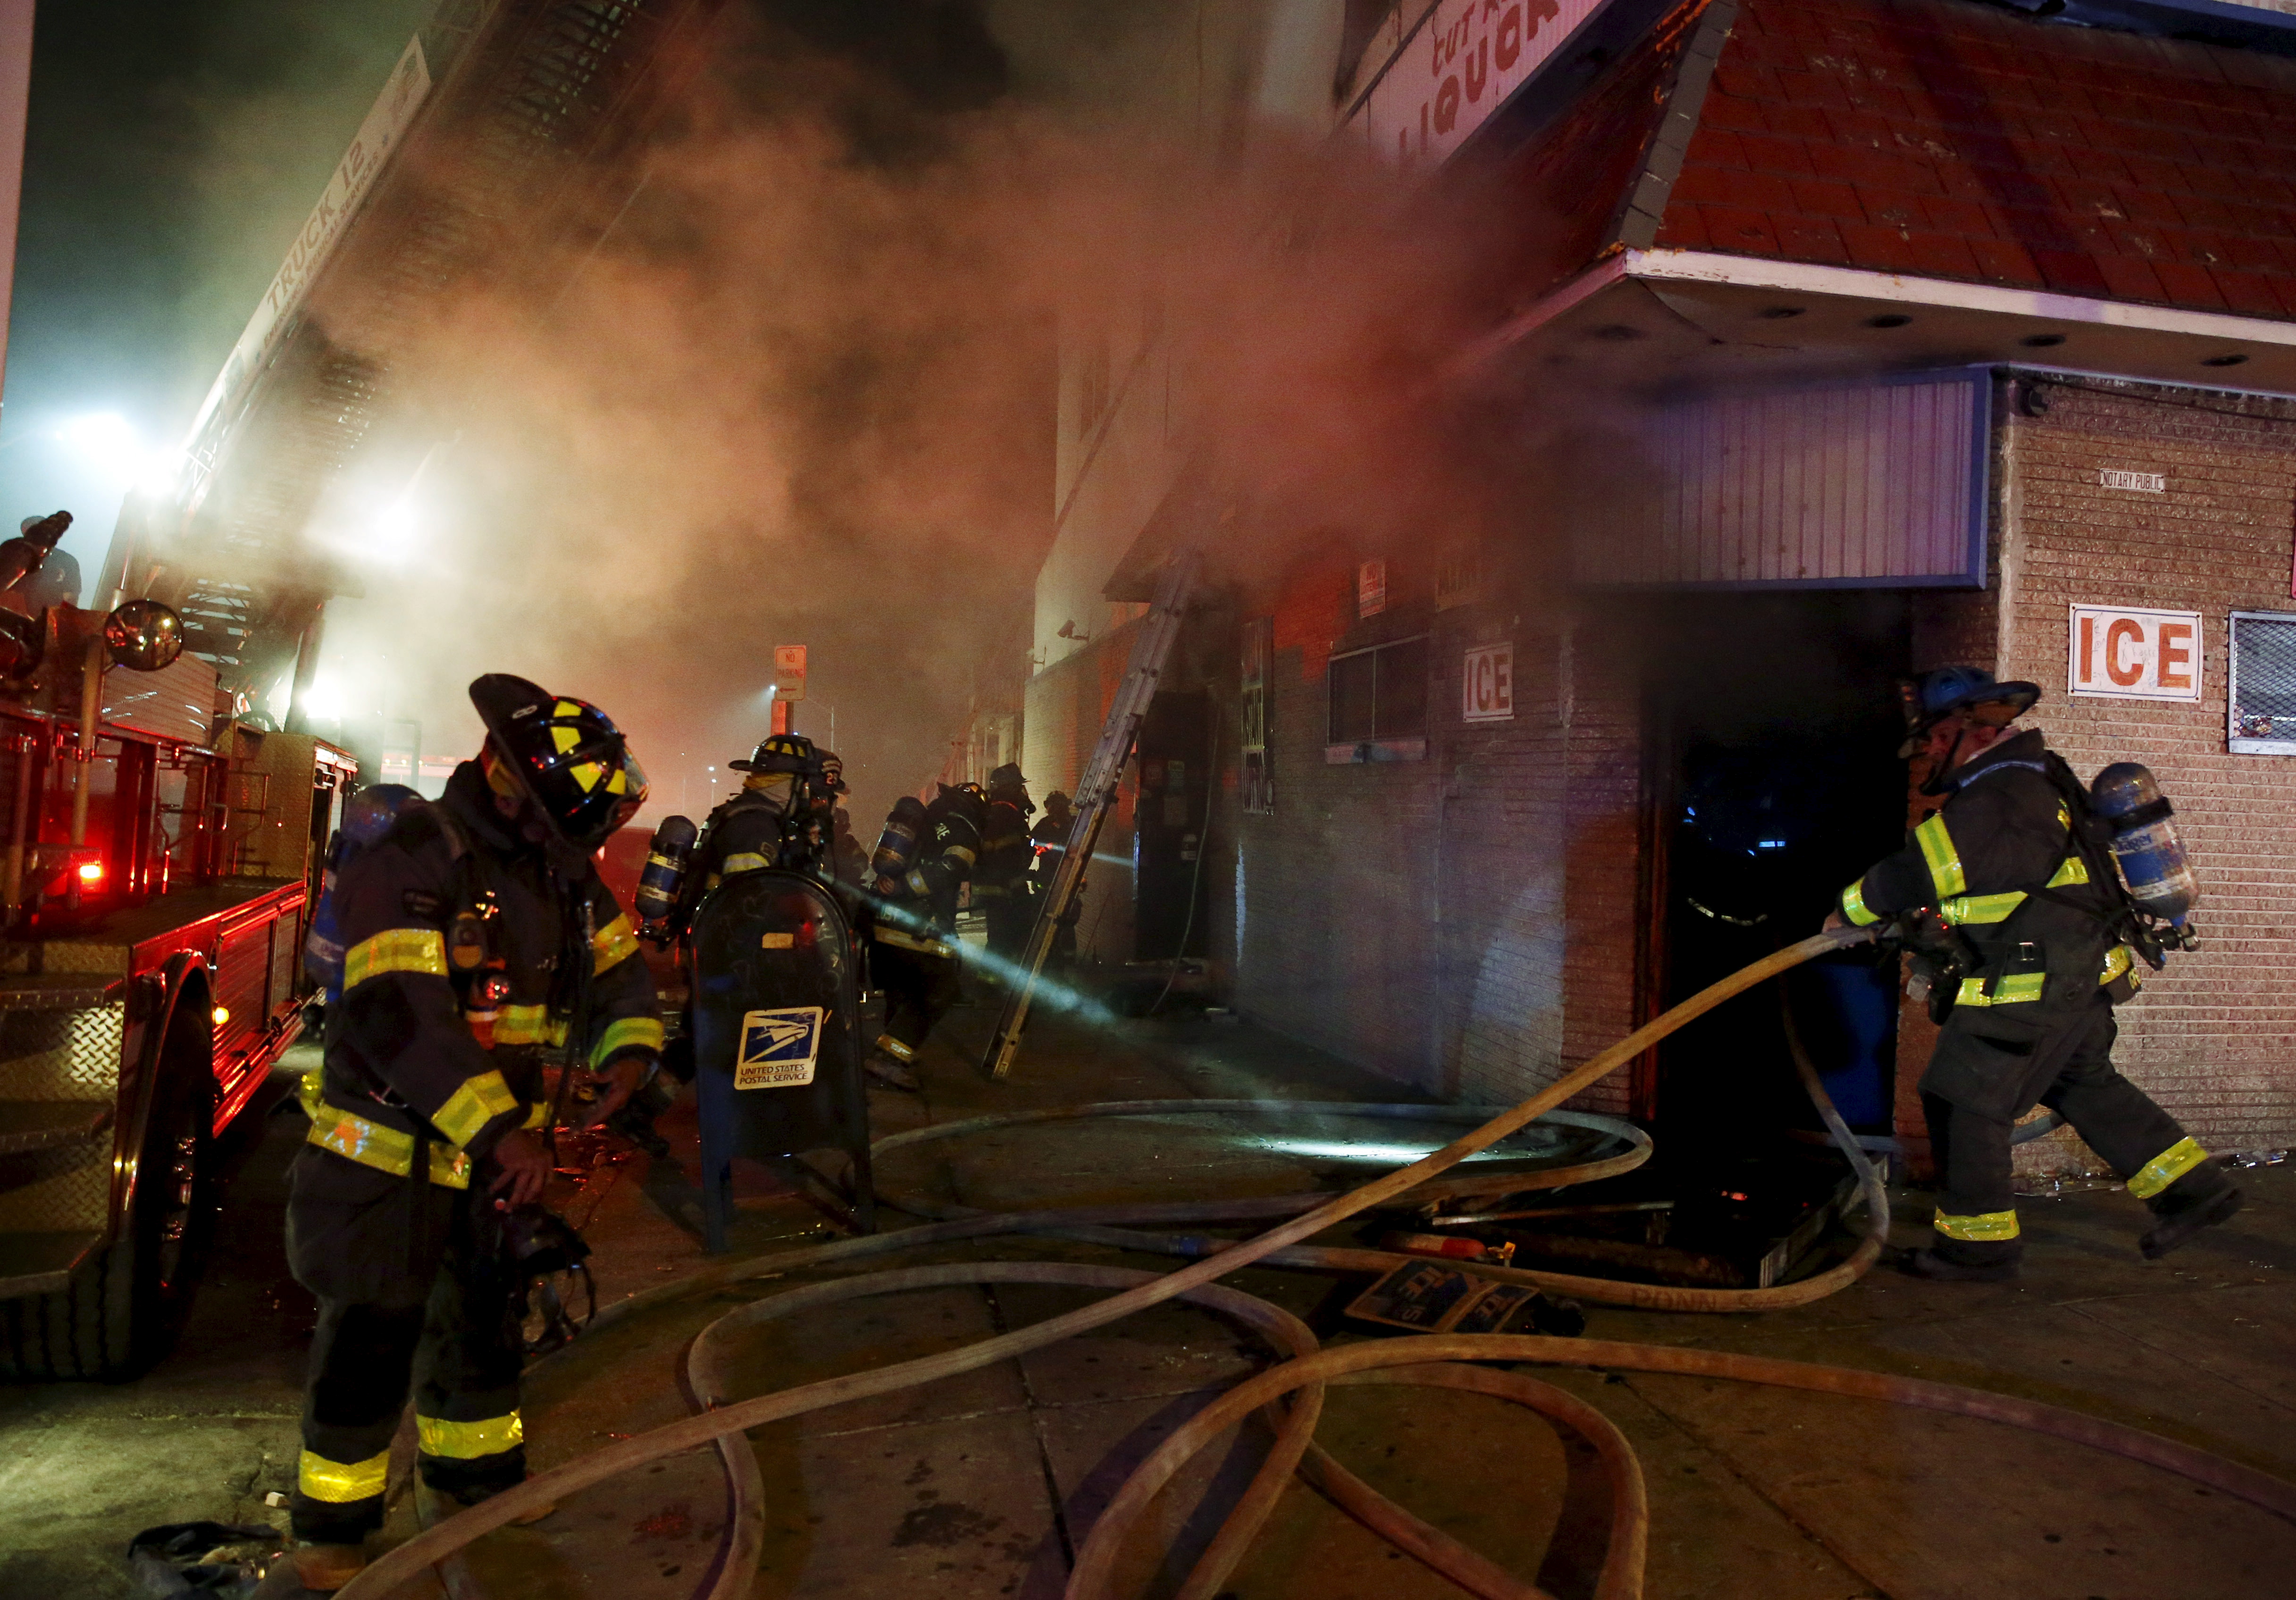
1174	752
1776	781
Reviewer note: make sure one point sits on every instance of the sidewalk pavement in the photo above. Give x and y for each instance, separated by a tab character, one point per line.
985	1485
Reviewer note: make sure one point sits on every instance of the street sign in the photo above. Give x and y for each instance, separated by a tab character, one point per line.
2133	652
1486	684
788	672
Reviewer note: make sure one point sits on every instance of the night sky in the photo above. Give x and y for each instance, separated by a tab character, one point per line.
173	150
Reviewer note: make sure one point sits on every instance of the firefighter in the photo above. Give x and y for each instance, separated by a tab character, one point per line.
1001	884
2002	863
769	822
1050	837
849	860
913	937
478	937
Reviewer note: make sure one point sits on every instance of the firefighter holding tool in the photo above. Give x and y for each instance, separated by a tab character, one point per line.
478	946
2011	900
923	859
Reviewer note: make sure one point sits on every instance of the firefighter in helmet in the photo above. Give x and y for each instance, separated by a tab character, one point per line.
478	941
2003	865
1049	841
777	818
913	935
1001	885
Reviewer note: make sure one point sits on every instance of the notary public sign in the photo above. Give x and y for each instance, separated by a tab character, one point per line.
1457	67
779	1048
1486	684
2134	652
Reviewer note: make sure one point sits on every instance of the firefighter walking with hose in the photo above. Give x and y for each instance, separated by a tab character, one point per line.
476	938
2030	941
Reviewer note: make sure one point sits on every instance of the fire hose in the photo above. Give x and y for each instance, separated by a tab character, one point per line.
1432	1359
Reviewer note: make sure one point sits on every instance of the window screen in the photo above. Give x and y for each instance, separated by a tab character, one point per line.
1379	695
2263	696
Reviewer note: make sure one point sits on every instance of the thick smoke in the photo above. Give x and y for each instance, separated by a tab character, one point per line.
805	391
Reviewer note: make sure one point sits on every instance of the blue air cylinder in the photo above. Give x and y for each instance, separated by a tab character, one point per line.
897	846
2144	841
665	868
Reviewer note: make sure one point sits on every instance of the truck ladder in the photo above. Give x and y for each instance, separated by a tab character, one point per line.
1096	792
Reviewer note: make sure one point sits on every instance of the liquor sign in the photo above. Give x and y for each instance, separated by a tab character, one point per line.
2133	653
1371	589
788	672
1456	68
1487	685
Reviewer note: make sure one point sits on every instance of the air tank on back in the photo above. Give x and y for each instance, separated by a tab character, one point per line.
2144	841
665	868
897	846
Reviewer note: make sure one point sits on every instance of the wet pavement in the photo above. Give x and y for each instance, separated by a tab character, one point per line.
986	1485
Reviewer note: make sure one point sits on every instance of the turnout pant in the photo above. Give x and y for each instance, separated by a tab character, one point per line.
413	1297
1987	1085
919	991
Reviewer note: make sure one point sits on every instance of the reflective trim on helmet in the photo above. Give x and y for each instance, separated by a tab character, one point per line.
2166	1168
745	861
395	950
441	1438
627	1033
1853	906
1987	1228
1944	861
1978	910
476	1103
612	945
340	1483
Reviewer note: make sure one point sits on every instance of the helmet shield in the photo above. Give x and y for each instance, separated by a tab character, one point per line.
570	760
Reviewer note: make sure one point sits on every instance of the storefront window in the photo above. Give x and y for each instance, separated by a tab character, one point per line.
2263	694
1379	704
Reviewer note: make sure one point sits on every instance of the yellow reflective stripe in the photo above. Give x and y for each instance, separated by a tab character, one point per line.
2014	989
612	945
476	1103
2073	870
1987	1228
437	1437
627	1033
339	1483
529	1025
896	1049
962	854
536	1115
923	946
385	1149
395	950
1978	909
1853	906
745	861
2165	1169
1944	860
2117	961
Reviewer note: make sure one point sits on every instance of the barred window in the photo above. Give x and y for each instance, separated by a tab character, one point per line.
1379	704
1258	666
2263	694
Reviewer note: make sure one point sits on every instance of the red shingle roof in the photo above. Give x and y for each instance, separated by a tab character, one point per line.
1950	140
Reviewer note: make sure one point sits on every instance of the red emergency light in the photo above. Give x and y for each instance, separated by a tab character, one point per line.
90	872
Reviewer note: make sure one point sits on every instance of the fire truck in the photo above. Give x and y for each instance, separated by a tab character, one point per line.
160	859
164	835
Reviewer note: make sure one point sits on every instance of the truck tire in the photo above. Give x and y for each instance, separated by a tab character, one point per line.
123	1310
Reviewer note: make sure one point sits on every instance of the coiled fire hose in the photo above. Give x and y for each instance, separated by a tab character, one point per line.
1433	1359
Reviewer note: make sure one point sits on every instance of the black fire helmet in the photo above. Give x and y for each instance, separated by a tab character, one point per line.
568	756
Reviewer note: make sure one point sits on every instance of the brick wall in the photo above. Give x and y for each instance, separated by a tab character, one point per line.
2214	1037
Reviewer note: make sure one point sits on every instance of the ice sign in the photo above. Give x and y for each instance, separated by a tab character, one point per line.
778	1048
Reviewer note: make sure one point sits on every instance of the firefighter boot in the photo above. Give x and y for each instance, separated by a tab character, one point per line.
2180	1217
323	1568
889	1063
1942	1268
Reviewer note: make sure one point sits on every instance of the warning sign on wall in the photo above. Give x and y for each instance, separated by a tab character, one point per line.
1488	683
2129	653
